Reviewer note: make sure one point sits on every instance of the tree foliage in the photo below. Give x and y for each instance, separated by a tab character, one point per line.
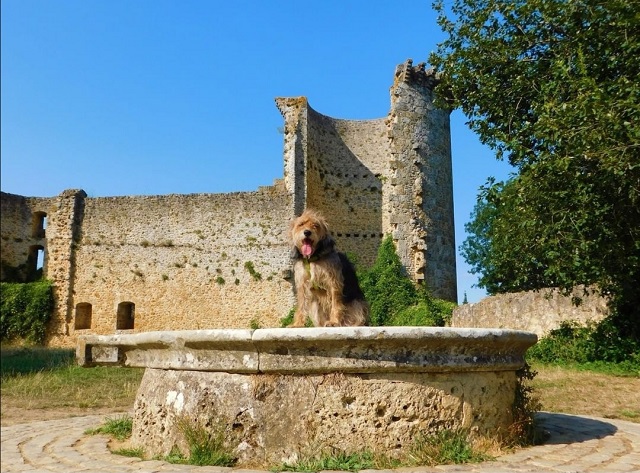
552	86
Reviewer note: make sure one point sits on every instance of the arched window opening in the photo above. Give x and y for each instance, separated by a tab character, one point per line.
125	316
35	262
39	224
40	259
83	316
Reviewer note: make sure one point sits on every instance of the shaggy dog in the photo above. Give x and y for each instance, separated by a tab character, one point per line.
326	283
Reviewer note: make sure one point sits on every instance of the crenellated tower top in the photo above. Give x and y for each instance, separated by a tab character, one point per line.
419	75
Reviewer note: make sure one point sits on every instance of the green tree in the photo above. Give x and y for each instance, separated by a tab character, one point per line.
551	85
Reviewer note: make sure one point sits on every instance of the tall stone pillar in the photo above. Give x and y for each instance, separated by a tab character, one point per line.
63	232
294	111
420	200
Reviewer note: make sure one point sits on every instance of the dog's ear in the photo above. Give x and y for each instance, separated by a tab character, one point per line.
325	246
324	226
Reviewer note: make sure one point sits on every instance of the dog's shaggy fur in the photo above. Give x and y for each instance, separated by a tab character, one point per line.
326	283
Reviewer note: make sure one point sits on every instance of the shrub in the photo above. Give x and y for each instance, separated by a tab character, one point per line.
25	310
393	297
387	289
590	343
524	430
569	343
612	342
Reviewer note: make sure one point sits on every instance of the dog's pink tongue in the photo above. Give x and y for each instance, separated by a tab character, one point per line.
307	249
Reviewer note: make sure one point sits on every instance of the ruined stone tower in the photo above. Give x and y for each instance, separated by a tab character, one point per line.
375	177
141	263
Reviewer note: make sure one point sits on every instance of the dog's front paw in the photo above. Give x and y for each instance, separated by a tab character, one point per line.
331	323
295	325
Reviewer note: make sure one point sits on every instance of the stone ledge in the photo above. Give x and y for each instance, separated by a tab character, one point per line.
313	350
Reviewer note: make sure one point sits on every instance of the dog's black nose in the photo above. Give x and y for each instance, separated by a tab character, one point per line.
307	233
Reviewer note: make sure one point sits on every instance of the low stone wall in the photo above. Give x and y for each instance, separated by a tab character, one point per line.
283	393
534	311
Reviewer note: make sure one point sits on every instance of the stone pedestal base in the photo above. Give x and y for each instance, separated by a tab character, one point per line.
269	419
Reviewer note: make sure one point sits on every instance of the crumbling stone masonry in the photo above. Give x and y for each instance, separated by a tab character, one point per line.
170	262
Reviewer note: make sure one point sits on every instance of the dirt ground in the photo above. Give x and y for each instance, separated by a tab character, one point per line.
11	414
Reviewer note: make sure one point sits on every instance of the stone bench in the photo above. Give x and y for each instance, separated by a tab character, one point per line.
281	392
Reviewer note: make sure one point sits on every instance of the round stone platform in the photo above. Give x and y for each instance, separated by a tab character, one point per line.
282	393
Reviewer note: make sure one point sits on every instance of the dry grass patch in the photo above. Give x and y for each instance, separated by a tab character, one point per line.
572	391
73	387
42	383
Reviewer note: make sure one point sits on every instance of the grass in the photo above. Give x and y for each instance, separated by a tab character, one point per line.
206	446
39	378
446	447
576	389
621	370
22	360
129	452
119	427
335	460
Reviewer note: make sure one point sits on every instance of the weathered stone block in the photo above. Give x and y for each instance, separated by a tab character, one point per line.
274	418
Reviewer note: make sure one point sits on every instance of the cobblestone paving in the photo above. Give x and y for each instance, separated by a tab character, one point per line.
576	444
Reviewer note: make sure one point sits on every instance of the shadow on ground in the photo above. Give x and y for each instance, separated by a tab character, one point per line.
566	429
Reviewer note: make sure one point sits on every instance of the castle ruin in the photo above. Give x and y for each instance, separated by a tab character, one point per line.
197	261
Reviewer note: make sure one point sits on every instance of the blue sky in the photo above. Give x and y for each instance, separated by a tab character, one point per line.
145	97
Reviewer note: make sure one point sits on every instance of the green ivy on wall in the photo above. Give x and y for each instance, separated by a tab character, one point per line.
25	310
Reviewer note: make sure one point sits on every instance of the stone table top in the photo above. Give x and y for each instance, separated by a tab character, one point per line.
312	350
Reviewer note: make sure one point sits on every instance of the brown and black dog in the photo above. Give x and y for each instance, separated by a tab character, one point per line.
327	287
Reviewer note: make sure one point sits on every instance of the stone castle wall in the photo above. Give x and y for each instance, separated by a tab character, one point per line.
186	261
534	311
16	234
346	162
389	176
141	263
183	261
20	234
